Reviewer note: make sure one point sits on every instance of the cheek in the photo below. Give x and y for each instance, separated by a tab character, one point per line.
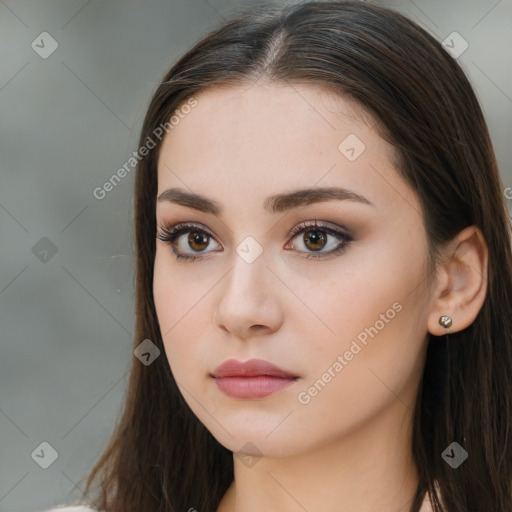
181	314
372	314
368	365
177	293
351	295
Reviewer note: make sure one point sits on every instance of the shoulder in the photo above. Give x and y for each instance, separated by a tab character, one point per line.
427	502
426	506
70	508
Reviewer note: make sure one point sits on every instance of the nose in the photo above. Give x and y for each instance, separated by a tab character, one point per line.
248	304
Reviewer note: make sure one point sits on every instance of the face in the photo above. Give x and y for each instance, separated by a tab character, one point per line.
329	288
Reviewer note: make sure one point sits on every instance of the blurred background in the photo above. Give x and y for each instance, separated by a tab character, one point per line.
75	80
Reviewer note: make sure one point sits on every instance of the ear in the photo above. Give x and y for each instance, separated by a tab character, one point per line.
461	282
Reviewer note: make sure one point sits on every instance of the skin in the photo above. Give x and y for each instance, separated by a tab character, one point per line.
349	447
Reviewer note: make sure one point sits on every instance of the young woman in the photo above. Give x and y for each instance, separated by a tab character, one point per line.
324	279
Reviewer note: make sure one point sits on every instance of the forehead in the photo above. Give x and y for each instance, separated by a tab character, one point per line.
236	117
251	140
250	106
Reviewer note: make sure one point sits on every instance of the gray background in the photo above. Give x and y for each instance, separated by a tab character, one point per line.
67	123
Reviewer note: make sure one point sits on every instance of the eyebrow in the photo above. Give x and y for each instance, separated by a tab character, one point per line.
276	203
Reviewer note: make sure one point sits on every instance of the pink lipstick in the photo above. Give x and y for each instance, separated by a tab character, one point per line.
255	378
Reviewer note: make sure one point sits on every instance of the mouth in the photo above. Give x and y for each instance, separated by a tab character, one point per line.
252	387
252	379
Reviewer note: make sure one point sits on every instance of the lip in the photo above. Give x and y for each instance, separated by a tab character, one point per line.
255	378
250	368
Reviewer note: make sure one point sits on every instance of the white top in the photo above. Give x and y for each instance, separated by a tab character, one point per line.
66	508
426	507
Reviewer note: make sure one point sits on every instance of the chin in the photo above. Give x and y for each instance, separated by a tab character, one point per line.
258	444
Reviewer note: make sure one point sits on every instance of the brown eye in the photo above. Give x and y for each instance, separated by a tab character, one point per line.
316	237
197	241
315	240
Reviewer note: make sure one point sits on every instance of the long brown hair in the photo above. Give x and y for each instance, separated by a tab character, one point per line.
160	457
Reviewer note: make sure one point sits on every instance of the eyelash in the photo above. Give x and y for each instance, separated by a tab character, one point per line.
170	235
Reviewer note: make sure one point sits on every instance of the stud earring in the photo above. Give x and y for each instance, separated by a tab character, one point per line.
445	321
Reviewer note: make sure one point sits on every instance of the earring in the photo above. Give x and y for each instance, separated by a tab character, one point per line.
445	321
